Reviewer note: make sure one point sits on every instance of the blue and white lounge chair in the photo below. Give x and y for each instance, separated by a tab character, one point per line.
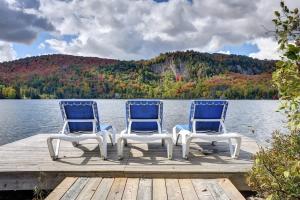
81	122
206	121
144	124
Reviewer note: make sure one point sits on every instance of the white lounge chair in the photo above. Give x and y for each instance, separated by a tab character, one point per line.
144	124
206	121
81	122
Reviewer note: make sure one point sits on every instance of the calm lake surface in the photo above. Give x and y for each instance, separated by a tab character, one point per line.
23	118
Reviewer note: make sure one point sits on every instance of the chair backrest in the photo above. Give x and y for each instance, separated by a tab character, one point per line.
209	110
80	110
146	115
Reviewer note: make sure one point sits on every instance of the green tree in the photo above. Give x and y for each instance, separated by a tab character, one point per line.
276	171
287	74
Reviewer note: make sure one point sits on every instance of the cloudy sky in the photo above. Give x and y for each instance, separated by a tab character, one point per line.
137	29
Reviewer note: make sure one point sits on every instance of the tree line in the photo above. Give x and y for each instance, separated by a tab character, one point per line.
178	75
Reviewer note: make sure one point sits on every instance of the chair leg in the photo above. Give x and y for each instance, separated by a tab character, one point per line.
188	144
125	142
104	147
185	146
112	136
170	148
237	147
57	148
120	144
230	148
111	139
174	135
178	136
162	142
100	148
50	148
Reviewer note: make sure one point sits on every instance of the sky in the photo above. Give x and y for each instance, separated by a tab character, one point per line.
137	29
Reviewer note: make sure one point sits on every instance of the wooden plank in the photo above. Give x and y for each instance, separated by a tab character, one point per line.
23	160
217	192
173	189
159	189
116	191
201	189
230	189
62	188
103	189
89	189
187	189
131	189
75	189
135	188
145	189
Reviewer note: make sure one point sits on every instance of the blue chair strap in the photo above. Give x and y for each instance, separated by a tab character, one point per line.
144	110
207	110
80	110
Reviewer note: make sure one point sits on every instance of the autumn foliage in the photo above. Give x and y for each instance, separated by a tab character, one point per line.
187	74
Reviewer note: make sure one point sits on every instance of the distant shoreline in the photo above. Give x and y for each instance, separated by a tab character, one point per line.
173	75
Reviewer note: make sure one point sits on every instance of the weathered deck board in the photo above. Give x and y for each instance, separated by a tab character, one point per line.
173	189
187	189
145	189
75	189
131	189
117	188
62	188
202	190
23	161
103	189
159	189
89	189
150	189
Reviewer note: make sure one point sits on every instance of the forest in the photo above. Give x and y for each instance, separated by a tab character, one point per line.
172	75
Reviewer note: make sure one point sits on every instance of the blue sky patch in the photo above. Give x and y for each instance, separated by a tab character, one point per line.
242	49
25	50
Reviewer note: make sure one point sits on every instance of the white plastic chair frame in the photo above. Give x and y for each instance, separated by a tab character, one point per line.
146	137
75	138
187	136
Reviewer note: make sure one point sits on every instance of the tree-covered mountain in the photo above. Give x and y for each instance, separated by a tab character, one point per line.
187	74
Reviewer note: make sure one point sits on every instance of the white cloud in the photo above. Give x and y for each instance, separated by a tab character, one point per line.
142	29
7	52
268	49
20	21
42	46
130	29
224	52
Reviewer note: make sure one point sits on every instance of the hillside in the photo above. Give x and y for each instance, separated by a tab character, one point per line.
187	74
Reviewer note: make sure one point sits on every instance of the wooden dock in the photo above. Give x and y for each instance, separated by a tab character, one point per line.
73	188
26	163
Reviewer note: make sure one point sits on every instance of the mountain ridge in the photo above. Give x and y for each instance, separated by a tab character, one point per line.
68	76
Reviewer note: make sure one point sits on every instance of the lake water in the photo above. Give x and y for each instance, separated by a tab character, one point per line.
23	118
